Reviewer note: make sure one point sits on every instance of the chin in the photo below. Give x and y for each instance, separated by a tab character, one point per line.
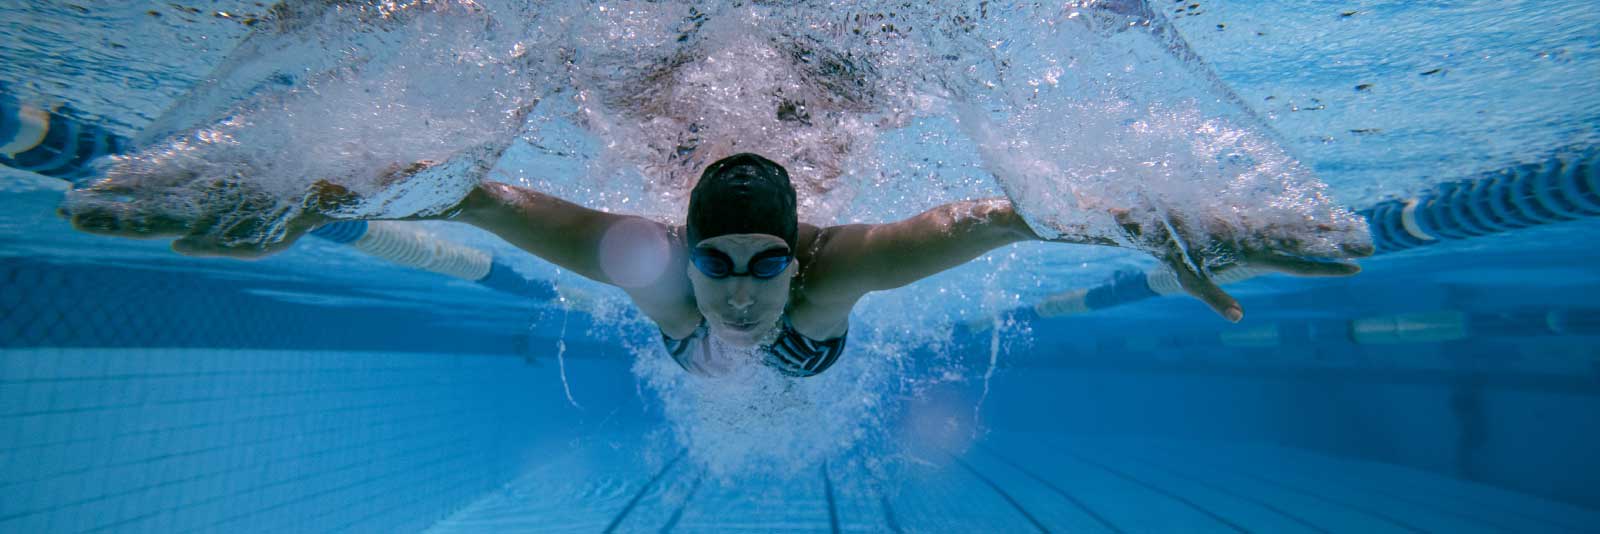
743	338
737	338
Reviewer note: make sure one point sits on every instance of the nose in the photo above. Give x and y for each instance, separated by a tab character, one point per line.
742	297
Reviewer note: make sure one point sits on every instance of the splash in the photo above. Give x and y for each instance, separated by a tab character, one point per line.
1072	109
561	356
754	421
1132	120
1075	111
450	102
671	87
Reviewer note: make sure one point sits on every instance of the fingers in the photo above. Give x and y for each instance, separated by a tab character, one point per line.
208	247
225	216
1177	256
327	197
1292	265
1126	220
122	220
1200	286
1210	293
197	246
109	186
1357	250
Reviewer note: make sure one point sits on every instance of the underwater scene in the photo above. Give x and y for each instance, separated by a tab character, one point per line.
483	266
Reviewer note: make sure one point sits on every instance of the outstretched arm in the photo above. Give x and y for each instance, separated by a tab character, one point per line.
852	260
559	231
643	257
237	218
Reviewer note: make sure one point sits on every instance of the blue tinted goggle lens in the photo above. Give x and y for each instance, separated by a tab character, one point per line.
769	267
714	264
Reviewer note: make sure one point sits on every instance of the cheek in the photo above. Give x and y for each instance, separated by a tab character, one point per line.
774	295
707	293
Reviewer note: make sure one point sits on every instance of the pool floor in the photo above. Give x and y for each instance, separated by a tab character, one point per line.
1013	483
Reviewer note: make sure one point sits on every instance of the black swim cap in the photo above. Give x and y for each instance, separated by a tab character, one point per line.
743	194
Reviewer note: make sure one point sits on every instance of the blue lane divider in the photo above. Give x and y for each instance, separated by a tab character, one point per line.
51	143
341	232
46	141
1563	187
503	278
1124	287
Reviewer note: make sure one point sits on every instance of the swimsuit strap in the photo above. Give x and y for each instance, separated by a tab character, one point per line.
683	350
792	354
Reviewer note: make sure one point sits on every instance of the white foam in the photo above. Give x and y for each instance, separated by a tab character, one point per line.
1073	109
450	92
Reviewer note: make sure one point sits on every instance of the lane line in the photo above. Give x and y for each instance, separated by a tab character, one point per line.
833	510
1283	486
1437	506
1003	494
1059	491
678	514
1219	489
642	490
1159	490
888	514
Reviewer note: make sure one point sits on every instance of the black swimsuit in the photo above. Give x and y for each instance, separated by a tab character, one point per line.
792	354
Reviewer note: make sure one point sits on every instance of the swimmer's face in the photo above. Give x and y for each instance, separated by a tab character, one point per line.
739	309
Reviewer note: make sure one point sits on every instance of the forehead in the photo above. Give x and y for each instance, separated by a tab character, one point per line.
743	244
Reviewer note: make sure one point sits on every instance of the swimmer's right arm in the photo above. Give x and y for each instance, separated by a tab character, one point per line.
643	257
559	231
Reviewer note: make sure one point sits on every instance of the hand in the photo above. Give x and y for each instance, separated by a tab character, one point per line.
1196	255
236	216
231	218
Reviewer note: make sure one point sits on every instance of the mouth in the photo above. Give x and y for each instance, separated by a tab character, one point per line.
742	326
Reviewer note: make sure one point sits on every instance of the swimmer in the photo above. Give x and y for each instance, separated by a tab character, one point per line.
743	271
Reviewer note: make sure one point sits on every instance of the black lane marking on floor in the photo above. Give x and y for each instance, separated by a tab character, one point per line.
1063	493
1225	491
1003	494
1152	487
1413	502
833	510
1467	501
1282	486
888	515
1437	507
642	490
678	514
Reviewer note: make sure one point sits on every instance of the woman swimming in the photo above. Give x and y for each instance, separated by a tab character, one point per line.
743	272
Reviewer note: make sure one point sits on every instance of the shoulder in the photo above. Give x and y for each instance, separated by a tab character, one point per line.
812	256
816	309
670	301
809	240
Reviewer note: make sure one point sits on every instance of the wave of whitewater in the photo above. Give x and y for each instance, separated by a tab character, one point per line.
879	109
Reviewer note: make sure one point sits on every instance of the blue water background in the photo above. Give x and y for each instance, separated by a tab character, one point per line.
320	389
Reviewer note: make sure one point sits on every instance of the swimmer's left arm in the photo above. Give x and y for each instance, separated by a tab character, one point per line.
849	261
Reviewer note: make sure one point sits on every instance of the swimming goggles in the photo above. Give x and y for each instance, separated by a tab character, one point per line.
714	264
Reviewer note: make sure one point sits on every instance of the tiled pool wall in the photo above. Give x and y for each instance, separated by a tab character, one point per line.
174	440
119	413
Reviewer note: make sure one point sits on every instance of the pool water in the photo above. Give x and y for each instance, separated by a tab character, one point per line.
1452	386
